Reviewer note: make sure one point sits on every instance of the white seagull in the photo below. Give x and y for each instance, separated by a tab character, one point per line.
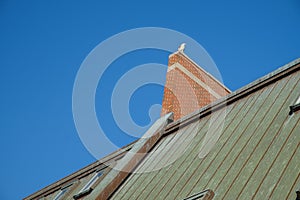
181	47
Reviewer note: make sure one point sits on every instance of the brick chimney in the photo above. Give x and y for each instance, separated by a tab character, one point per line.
188	87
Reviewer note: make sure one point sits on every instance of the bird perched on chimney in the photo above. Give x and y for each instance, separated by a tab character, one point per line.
181	47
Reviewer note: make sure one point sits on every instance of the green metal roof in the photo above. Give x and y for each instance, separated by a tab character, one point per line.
256	156
243	146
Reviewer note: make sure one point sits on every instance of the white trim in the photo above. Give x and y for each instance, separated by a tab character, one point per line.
211	76
298	101
194	78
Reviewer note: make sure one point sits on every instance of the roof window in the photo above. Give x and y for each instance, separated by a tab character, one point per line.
89	186
62	192
204	195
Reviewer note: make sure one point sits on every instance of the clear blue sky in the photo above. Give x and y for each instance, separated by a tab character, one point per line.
43	43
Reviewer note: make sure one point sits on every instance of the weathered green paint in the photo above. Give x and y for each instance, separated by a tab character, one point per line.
256	156
257	147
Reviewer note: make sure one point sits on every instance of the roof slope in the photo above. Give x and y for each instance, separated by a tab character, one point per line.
256	156
243	146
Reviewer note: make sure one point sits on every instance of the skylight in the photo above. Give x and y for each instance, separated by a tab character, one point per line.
88	187
91	181
62	192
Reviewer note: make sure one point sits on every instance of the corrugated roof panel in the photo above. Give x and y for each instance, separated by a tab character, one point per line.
175	169
153	156
249	134
190	161
183	163
188	177
277	158
255	154
175	147
182	160
296	185
256	166
147	178
222	152
282	174
123	190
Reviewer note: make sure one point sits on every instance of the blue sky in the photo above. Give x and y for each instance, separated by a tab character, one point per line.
43	44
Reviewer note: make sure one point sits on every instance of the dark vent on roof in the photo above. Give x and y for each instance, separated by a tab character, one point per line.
295	107
298	195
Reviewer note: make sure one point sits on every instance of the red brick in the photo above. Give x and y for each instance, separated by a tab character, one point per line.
183	95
